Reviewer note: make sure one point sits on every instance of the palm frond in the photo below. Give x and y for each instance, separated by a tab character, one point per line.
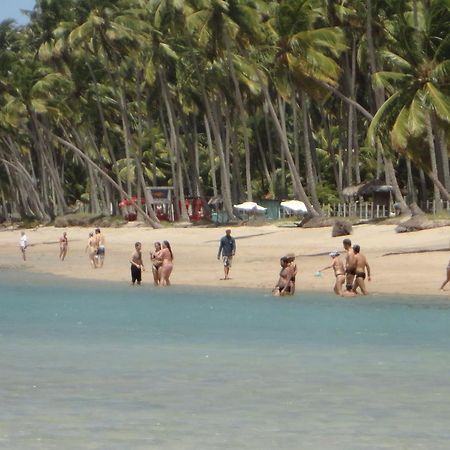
439	101
380	116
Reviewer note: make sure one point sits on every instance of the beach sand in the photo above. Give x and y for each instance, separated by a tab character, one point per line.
256	264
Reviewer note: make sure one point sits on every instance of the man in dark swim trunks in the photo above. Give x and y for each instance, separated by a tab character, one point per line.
137	265
350	268
361	265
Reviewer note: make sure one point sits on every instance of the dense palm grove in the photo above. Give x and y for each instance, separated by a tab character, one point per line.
242	99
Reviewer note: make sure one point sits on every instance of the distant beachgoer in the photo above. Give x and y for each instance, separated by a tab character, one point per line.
156	264
23	244
91	248
361	265
448	277
350	269
339	272
63	246
166	256
284	285
291	262
100	243
227	249
137	265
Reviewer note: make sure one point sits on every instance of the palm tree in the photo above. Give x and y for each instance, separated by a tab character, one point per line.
419	103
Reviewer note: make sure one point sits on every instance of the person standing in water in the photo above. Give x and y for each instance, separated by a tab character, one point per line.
361	265
339	272
100	243
63	246
227	249
23	245
284	285
156	264
350	269
166	256
291	262
137	265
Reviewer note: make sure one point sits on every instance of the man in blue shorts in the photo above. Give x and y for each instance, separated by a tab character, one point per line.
227	248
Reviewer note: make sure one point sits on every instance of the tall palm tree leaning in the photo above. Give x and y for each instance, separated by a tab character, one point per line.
418	83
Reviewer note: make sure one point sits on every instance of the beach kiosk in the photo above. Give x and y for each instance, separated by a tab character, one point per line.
162	202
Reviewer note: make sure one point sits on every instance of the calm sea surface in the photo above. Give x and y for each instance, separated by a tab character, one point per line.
112	367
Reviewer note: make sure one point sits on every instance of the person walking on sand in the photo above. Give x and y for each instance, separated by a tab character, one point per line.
156	264
137	265
361	265
227	249
23	245
350	269
339	272
166	256
100	243
91	248
63	246
284	285
448	277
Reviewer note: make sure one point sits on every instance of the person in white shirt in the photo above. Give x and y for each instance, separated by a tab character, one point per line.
23	244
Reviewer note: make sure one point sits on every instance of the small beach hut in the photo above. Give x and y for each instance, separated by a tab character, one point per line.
375	191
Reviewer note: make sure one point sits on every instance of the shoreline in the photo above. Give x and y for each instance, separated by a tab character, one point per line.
256	265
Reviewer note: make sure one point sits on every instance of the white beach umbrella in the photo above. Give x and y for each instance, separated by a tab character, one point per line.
250	207
295	206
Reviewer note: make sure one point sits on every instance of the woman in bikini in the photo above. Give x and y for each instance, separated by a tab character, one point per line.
166	255
284	285
91	247
156	264
339	272
63	246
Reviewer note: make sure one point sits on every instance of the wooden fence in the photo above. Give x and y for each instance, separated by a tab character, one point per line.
362	210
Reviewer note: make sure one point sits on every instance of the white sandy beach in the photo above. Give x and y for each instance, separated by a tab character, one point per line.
256	264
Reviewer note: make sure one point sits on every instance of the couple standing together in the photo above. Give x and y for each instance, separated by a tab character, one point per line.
96	248
162	264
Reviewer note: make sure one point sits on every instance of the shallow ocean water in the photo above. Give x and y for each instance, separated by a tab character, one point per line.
106	366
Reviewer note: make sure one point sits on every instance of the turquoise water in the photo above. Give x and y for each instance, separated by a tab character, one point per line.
115	367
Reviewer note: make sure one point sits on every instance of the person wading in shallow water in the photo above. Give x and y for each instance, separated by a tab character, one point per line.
284	285
137	265
339	272
349	264
361	265
166	256
227	249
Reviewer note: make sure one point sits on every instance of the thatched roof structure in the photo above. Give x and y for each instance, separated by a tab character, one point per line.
366	188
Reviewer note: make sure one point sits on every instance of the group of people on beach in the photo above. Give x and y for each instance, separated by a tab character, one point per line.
161	259
95	248
352	272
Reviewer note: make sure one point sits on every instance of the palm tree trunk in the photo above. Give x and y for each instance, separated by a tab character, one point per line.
310	179
212	163
433	162
298	186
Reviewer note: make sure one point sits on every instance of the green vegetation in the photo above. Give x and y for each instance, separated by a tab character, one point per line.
245	99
